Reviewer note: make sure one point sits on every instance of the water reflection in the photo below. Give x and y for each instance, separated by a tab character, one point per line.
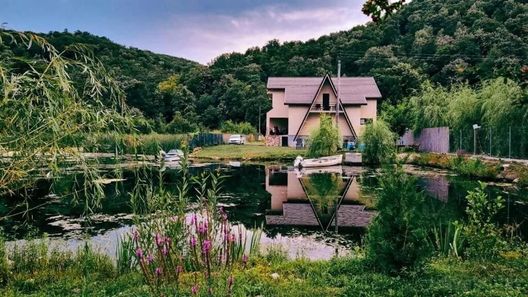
317	197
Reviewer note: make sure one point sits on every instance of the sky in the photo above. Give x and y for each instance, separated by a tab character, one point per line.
198	30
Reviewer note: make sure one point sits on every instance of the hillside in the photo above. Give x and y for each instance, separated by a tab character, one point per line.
445	41
442	41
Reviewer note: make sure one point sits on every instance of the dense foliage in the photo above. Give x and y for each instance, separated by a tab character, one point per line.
441	41
41	109
324	141
496	105
397	238
379	143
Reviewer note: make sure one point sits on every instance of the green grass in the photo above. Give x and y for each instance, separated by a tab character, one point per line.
248	152
338	277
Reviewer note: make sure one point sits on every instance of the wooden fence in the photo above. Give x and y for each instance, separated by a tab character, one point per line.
428	140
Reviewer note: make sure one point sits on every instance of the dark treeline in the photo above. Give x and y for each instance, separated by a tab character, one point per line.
445	42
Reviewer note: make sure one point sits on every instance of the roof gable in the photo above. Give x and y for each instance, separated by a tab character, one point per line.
301	90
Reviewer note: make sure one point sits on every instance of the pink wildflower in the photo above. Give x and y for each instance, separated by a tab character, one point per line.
206	247
201	228
194	289
135	235
139	253
158	271
150	259
193	241
164	251
159	239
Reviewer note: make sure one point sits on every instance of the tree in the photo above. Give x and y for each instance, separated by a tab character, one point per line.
397	237
380	143
380	9
55	100
324	141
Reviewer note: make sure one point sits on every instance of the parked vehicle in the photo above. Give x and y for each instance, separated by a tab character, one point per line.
237	139
318	162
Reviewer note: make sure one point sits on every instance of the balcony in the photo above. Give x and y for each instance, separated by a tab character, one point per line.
324	109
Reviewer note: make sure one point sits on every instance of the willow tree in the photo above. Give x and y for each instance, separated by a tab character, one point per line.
50	102
324	141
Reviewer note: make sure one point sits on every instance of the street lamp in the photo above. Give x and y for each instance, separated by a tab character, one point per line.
475	128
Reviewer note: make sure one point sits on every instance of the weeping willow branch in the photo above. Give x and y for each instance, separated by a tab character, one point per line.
51	101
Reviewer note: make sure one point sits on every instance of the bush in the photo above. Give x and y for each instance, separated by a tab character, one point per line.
324	141
180	124
379	143
239	128
474	167
483	236
397	238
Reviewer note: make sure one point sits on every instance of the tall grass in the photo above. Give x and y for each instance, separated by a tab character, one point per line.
149	144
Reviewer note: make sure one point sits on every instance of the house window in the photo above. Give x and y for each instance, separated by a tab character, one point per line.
365	121
326	101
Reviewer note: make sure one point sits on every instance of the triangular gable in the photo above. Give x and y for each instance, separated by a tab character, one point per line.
329	79
340	199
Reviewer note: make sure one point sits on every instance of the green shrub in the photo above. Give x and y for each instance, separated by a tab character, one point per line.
180	124
379	143
474	168
397	237
239	128
324	141
483	237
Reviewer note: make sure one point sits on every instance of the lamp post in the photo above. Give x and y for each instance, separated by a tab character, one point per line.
475	128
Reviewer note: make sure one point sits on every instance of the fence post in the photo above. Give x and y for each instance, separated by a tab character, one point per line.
474	141
460	143
509	144
490	140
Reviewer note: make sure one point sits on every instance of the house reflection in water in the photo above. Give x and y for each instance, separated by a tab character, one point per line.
315	198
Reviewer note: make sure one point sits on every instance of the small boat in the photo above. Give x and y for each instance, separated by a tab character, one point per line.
318	162
173	156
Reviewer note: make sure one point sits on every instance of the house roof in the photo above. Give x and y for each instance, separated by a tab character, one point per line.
301	90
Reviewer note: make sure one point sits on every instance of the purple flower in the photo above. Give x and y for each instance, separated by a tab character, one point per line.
164	250
135	235
159	239
206	247
150	259
201	228
193	241
158	271
193	218
194	289
139	253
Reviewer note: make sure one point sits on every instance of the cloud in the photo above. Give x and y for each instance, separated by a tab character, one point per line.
204	36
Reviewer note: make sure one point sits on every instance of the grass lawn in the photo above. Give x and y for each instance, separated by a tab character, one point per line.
272	277
250	151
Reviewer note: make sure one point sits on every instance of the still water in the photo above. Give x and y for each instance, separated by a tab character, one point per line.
310	213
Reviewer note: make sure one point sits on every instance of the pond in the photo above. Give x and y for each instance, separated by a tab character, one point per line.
309	213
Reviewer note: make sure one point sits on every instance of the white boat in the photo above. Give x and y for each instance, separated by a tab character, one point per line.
173	156
318	162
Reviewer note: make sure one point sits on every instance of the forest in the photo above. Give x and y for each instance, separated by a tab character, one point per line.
441	42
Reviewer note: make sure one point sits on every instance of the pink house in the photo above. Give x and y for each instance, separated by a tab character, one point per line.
298	102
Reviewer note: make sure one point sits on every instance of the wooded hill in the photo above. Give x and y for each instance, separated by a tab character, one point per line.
442	41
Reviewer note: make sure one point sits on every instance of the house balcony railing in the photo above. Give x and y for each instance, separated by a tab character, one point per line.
320	108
